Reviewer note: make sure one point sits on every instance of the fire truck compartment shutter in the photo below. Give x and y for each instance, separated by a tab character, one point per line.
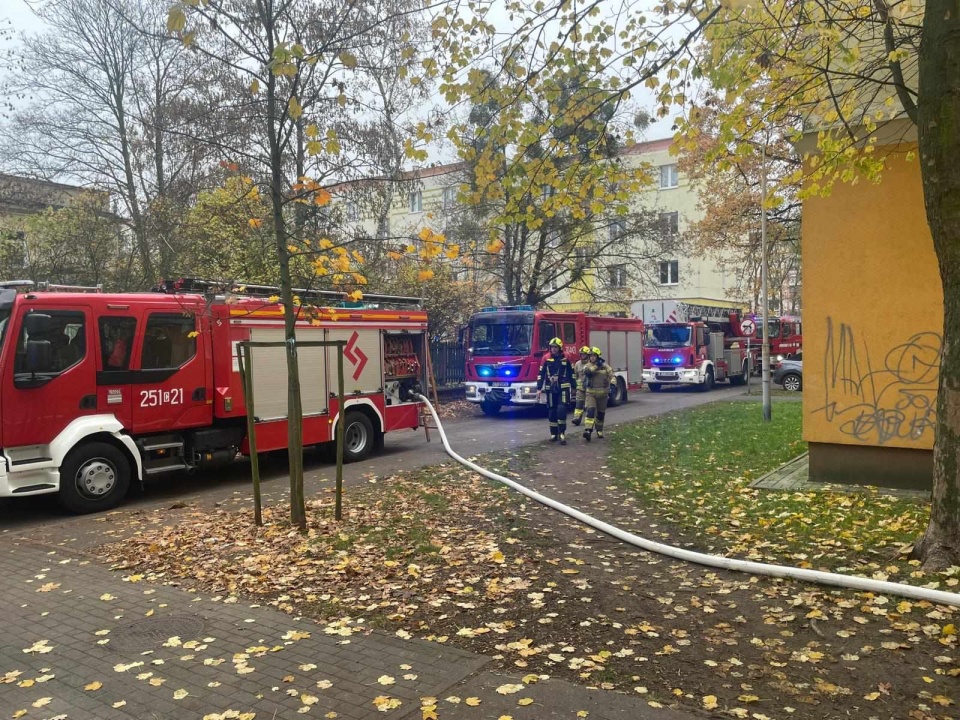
270	374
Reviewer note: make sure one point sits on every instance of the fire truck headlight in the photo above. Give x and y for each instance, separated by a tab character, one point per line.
528	391
471	389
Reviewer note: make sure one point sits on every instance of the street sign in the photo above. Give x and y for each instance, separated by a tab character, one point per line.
748	327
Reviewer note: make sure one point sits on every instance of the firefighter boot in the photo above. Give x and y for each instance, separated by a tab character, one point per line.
563	438
599	433
586	435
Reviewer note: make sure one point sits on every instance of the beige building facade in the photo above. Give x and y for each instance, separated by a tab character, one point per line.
428	199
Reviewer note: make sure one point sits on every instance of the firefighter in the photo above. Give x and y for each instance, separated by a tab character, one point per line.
578	367
556	380
598	376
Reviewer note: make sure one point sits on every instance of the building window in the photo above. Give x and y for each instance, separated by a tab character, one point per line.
583	256
670	272
548	191
449	196
669	226
617	230
669	177
617	276
353	212
416	201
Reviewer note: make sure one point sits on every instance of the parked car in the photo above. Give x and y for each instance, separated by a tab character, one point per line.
789	373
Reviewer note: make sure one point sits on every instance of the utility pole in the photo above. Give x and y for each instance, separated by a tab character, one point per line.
765	348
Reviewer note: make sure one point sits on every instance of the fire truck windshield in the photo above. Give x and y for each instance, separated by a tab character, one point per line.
493	335
668	335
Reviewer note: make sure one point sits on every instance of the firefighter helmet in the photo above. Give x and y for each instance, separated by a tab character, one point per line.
555	342
585	350
596	351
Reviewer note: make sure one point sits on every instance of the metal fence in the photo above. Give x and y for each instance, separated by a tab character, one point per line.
448	360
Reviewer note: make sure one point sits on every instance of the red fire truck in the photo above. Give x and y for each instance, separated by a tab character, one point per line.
100	390
698	350
506	345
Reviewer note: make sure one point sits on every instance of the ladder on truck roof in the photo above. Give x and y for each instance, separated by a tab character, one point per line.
31	286
331	298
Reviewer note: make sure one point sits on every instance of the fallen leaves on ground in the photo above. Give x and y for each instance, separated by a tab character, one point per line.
445	556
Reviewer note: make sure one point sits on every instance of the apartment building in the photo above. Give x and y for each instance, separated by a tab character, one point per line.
428	198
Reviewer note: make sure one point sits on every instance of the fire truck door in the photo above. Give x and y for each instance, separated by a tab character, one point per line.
52	380
170	385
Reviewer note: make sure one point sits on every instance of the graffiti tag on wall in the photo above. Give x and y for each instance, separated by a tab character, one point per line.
879	402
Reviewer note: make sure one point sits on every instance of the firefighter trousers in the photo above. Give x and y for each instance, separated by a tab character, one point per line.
596	411
578	410
557	412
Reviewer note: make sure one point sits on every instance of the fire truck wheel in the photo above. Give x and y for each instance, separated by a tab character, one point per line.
94	477
618	393
358	437
707	384
654	387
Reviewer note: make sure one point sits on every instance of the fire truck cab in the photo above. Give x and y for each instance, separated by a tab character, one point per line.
506	346
100	390
698	352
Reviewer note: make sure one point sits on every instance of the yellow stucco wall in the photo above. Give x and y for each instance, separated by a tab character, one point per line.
873	313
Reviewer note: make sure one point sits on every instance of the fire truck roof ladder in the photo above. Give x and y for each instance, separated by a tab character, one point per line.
31	286
331	297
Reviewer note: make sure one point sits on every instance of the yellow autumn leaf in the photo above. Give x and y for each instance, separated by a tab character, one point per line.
497	556
180	694
525	701
294	108
452	252
709	702
424	275
176	19
349	60
255	87
385	703
747	698
42	702
255	223
274	299
472	701
94	686
192	334
949	629
582	713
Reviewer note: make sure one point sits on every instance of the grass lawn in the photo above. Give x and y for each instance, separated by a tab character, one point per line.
693	468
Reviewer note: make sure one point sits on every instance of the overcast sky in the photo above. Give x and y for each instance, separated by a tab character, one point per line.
20	16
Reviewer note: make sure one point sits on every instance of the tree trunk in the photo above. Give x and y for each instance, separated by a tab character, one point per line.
130	185
298	512
939	134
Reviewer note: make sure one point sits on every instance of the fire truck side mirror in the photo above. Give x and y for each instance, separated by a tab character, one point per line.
39	356
36	323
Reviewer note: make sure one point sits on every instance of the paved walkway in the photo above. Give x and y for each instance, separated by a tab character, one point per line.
81	642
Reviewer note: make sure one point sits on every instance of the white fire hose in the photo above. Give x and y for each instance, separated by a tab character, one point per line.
854	582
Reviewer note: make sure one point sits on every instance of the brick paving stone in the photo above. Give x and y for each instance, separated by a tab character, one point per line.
64	599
